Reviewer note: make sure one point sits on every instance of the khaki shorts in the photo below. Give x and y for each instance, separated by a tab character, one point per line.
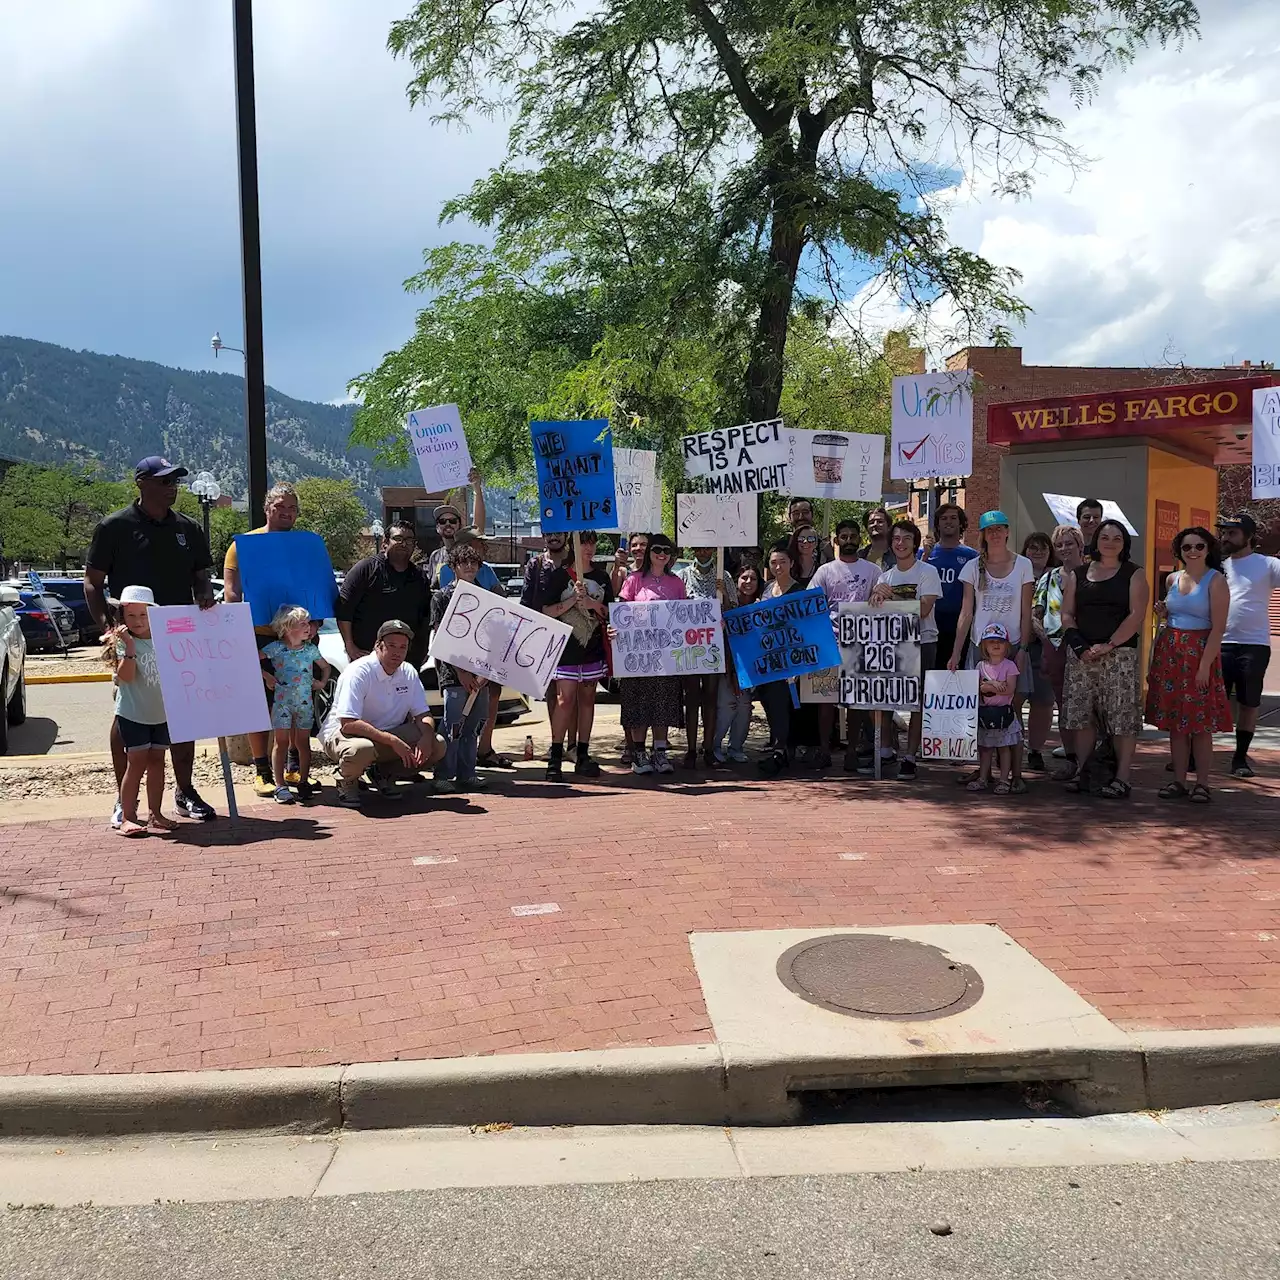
354	755
1104	693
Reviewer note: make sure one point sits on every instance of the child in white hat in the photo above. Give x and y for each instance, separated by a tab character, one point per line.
999	730
140	713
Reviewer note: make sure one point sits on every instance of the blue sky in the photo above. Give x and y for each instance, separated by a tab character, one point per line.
118	206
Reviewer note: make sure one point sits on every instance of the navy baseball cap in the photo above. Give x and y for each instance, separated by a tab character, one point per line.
158	468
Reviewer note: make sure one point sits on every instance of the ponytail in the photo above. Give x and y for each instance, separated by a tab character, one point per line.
982	563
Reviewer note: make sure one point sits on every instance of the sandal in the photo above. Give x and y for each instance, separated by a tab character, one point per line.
494	760
710	760
1078	784
691	758
133	830
1002	788
1200	794
161	822
1116	789
966	778
977	784
1174	790
1018	786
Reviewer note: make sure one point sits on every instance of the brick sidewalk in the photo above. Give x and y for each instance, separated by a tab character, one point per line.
318	939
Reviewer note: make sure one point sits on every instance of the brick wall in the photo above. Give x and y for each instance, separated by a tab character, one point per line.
1000	377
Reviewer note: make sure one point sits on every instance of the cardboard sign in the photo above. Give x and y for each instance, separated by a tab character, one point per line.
499	639
635	477
1063	508
753	458
285	568
575	475
837	464
667	638
210	672
438	442
715	520
780	638
932	425
820	687
880	655
950	727
1266	443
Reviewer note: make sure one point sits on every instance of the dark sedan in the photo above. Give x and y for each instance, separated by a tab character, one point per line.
46	621
71	592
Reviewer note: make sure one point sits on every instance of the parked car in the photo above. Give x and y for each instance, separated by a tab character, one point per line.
13	655
511	703
71	592
37	615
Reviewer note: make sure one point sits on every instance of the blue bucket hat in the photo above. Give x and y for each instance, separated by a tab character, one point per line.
992	517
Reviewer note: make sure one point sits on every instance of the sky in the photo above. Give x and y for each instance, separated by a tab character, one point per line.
118	214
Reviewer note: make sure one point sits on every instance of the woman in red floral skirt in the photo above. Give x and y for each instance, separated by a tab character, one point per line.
1185	693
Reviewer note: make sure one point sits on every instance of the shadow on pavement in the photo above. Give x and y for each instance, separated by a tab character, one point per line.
248	831
33	737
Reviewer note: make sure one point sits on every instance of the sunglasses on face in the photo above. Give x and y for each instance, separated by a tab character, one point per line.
468	564
660	551
448	524
1195	546
806	537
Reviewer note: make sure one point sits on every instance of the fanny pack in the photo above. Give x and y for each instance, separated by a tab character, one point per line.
995	717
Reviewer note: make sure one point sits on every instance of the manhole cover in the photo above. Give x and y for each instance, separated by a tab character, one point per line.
877	976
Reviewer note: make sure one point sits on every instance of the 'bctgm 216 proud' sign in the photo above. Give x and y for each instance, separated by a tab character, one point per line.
880	655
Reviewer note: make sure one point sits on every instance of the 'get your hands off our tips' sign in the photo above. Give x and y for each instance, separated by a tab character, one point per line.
667	638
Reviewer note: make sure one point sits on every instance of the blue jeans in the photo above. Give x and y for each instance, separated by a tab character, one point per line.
733	716
459	763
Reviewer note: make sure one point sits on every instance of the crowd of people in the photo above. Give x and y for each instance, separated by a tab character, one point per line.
1058	625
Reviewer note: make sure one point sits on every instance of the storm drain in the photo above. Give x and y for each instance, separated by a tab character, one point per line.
865	975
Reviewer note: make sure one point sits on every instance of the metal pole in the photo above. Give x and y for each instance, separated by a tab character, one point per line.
255	391
204	511
232	808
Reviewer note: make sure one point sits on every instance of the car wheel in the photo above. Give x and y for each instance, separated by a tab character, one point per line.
17	710
322	700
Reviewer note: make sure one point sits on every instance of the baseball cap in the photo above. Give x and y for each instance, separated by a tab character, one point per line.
993	517
158	468
1240	521
994	630
394	627
447	511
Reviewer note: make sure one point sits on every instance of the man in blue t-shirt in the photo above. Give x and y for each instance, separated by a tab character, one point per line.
948	556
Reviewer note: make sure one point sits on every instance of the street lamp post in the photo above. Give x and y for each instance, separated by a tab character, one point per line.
376	532
208	490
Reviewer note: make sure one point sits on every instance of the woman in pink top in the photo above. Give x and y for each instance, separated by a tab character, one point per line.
652	700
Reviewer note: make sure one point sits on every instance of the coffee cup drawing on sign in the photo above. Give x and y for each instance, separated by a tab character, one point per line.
829	451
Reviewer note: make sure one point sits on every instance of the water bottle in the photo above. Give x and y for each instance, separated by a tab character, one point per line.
528	747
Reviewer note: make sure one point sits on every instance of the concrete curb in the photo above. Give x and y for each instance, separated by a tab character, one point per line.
89	677
694	1085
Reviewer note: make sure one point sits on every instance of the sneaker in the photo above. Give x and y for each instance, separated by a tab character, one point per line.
628	755
282	795
586	768
640	761
117	816
293	776
264	784
660	762
867	766
555	770
445	787
1059	753
189	805
1035	760
385	785
472	784
307	790
349	793
1242	767
738	757
907	769
773	764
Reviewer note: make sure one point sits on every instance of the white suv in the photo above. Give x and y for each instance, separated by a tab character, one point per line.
13	657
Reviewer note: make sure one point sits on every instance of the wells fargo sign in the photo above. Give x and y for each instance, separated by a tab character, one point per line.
1145	412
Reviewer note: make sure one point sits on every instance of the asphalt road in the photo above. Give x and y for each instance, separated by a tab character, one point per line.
62	718
1120	1223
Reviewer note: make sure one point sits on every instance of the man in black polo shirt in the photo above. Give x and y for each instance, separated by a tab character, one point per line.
149	544
383	587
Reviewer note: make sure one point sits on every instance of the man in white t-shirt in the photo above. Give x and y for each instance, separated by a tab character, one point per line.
911	579
846	578
1246	643
380	719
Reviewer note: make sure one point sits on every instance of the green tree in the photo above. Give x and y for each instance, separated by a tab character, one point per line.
332	509
48	514
783	135
224	524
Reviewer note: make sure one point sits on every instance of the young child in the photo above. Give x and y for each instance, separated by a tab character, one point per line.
140	713
293	681
291	774
999	730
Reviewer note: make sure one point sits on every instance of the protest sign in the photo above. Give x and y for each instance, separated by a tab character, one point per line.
776	639
880	655
285	568
837	464
1266	442
635	477
438	442
1063	507
667	638
715	520
575	474
950	730
499	639
932	425
820	686
753	458
210	672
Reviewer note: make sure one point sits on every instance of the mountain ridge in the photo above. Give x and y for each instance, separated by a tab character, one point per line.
58	406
